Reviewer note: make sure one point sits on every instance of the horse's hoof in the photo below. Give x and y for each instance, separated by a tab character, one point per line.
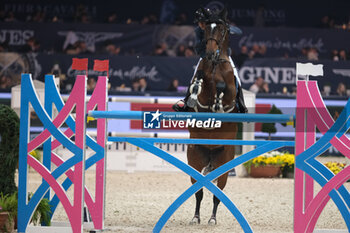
212	221
195	220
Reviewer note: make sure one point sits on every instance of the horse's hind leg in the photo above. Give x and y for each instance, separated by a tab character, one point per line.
220	159
198	160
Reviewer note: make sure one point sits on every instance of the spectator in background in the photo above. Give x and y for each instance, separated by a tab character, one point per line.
111	48
312	54
79	47
189	52
135	85
145	20
123	88
242	56
2	15
4	47
10	17
265	88
39	17
254	51
341	90
143	84
259	20
335	55
131	21
257	86
56	70
304	52
180	51
285	55
56	19
326	90
324	22
181	19
173	85
91	84
32	45
80	11
332	23
112	18
262	50
160	50
149	19
5	82
153	19
342	55
84	18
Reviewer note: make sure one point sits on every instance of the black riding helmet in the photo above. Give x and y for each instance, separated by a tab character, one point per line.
201	15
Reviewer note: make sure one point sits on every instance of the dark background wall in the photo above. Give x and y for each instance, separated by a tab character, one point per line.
296	13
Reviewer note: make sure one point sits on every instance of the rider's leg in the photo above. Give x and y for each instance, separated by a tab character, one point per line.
194	75
176	106
240	97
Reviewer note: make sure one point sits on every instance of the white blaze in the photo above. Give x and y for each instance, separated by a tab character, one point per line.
213	25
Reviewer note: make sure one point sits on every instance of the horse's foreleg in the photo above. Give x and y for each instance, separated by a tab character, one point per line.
196	158
221	184
199	196
220	159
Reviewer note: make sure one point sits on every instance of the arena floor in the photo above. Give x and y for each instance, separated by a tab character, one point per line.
135	201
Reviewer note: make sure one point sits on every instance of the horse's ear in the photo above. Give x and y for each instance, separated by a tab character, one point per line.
223	14
205	12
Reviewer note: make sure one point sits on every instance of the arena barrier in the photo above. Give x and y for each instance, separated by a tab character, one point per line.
311	113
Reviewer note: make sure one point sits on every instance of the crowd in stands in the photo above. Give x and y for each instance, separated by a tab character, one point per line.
74	46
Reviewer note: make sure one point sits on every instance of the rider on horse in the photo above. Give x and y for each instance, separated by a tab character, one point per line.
201	16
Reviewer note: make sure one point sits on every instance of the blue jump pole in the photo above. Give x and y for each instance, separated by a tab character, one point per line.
224	117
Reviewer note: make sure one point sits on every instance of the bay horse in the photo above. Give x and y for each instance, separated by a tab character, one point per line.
214	90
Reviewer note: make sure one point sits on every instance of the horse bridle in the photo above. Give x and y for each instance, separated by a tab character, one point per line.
217	103
195	87
219	43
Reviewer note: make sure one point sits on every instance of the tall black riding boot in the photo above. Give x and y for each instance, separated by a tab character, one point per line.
241	105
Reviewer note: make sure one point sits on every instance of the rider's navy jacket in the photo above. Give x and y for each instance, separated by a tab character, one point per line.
200	43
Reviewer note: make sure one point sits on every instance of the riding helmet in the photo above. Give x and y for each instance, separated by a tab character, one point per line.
201	15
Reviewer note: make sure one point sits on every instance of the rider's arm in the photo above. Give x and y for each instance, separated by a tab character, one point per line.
200	44
235	30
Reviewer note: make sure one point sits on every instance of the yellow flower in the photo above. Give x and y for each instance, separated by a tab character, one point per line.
274	158
335	167
33	153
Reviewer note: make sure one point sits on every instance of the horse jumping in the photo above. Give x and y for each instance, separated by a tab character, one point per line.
213	90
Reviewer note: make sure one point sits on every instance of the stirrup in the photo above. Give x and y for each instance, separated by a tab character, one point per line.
178	108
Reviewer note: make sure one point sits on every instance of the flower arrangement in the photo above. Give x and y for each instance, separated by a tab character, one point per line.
335	167
284	160
273	158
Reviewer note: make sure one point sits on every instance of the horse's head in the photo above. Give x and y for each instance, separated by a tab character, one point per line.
216	35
